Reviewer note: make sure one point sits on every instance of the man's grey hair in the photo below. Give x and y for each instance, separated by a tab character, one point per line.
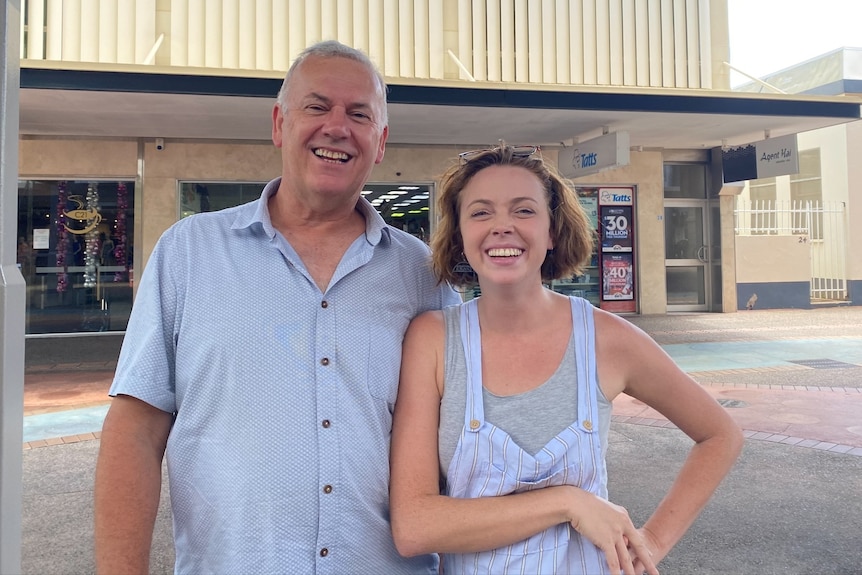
334	49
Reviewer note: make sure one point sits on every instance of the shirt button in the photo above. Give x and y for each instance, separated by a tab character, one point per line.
324	304
327	489
324	361
326	423
324	552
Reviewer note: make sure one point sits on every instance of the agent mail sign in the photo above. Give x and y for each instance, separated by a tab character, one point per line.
764	159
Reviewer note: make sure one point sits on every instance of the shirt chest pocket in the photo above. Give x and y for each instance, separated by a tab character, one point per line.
384	362
371	357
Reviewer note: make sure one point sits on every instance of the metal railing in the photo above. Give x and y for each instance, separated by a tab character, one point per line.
820	224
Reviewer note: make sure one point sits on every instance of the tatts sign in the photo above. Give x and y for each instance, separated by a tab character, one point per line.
764	159
596	155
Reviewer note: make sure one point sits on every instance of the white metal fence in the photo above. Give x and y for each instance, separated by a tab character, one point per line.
821	224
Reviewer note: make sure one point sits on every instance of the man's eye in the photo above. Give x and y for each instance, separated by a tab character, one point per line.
361	116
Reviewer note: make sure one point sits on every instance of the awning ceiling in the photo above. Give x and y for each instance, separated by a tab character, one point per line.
147	105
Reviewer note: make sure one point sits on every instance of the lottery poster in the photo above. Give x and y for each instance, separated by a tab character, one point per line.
617	276
616	228
590	205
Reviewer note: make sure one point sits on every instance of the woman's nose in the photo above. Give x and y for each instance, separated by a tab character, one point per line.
502	225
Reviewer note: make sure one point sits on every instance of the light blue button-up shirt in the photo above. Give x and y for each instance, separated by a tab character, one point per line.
279	457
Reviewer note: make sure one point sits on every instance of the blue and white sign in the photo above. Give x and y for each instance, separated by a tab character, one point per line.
593	156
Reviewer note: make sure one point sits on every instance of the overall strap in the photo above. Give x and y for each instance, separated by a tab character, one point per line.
583	328
471	338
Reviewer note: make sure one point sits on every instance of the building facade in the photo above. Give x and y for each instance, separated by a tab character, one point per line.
796	233
135	113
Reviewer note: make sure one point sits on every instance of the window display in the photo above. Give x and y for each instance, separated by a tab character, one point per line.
608	281
75	253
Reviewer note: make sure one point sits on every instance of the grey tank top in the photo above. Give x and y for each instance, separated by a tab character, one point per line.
532	418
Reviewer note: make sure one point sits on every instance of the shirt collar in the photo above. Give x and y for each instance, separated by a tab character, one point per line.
257	212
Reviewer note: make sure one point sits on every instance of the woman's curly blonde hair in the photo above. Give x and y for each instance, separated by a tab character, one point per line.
573	235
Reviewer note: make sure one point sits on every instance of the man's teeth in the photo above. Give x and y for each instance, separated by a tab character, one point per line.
330	155
505	252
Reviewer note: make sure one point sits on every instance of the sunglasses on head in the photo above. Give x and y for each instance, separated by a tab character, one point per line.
517	152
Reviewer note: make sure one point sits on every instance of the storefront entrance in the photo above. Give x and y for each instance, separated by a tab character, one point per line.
692	240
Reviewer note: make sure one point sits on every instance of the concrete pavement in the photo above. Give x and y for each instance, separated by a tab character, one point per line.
793	504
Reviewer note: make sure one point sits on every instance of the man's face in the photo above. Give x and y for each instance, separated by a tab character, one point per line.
332	132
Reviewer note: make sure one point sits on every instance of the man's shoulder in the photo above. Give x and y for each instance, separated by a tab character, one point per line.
207	222
403	240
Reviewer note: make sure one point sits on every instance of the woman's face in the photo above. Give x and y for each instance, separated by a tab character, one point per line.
505	225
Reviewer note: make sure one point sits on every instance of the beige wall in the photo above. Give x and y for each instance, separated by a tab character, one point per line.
772	259
156	205
77	158
854	206
646	172
196	161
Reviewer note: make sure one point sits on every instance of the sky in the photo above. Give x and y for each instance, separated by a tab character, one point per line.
770	35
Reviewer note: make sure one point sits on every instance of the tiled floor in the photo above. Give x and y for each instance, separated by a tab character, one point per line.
787	415
761	366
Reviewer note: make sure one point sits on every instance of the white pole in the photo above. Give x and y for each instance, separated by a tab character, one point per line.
12	297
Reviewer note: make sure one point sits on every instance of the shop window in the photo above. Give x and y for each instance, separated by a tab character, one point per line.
404	206
75	248
198	197
806	195
686	181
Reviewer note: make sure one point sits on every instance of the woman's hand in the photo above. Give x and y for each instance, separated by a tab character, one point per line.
610	529
655	549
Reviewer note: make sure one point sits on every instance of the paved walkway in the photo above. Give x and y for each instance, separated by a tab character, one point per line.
791	505
789	376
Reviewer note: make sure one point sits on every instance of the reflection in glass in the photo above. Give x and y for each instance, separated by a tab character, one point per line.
199	197
683	229
685	285
75	248
685	181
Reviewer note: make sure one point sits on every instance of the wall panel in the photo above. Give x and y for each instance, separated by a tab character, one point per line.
660	43
125	25
108	18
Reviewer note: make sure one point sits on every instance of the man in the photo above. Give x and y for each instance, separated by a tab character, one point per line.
262	358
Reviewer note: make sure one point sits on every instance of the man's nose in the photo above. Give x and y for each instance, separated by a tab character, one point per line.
336	124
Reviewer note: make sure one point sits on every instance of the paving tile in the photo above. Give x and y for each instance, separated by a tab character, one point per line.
807	443
792	440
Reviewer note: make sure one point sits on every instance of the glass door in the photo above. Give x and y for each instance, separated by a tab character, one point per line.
687	255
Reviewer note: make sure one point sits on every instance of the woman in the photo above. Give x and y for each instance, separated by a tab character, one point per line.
505	401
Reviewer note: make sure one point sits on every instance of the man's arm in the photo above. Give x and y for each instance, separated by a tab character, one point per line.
128	482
